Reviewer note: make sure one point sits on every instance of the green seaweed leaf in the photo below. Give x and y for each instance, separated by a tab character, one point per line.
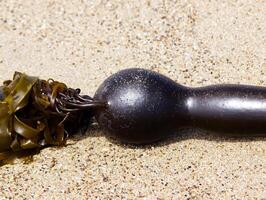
14	133
35	113
25	130
5	134
18	97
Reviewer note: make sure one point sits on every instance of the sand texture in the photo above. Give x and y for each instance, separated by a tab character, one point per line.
81	43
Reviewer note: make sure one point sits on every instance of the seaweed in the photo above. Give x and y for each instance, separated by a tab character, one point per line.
36	113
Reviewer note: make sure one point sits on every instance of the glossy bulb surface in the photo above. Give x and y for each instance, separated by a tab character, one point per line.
143	106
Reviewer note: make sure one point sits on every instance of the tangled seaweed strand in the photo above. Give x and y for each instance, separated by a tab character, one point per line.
35	113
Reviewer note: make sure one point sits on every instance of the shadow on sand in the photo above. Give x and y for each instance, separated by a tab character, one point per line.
177	136
180	135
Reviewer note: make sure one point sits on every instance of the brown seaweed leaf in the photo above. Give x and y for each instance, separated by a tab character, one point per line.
35	113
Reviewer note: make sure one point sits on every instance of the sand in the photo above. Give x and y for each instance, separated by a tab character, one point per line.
82	42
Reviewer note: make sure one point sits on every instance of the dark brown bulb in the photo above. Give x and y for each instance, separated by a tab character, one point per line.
145	106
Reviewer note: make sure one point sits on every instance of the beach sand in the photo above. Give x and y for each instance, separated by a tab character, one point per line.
81	43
